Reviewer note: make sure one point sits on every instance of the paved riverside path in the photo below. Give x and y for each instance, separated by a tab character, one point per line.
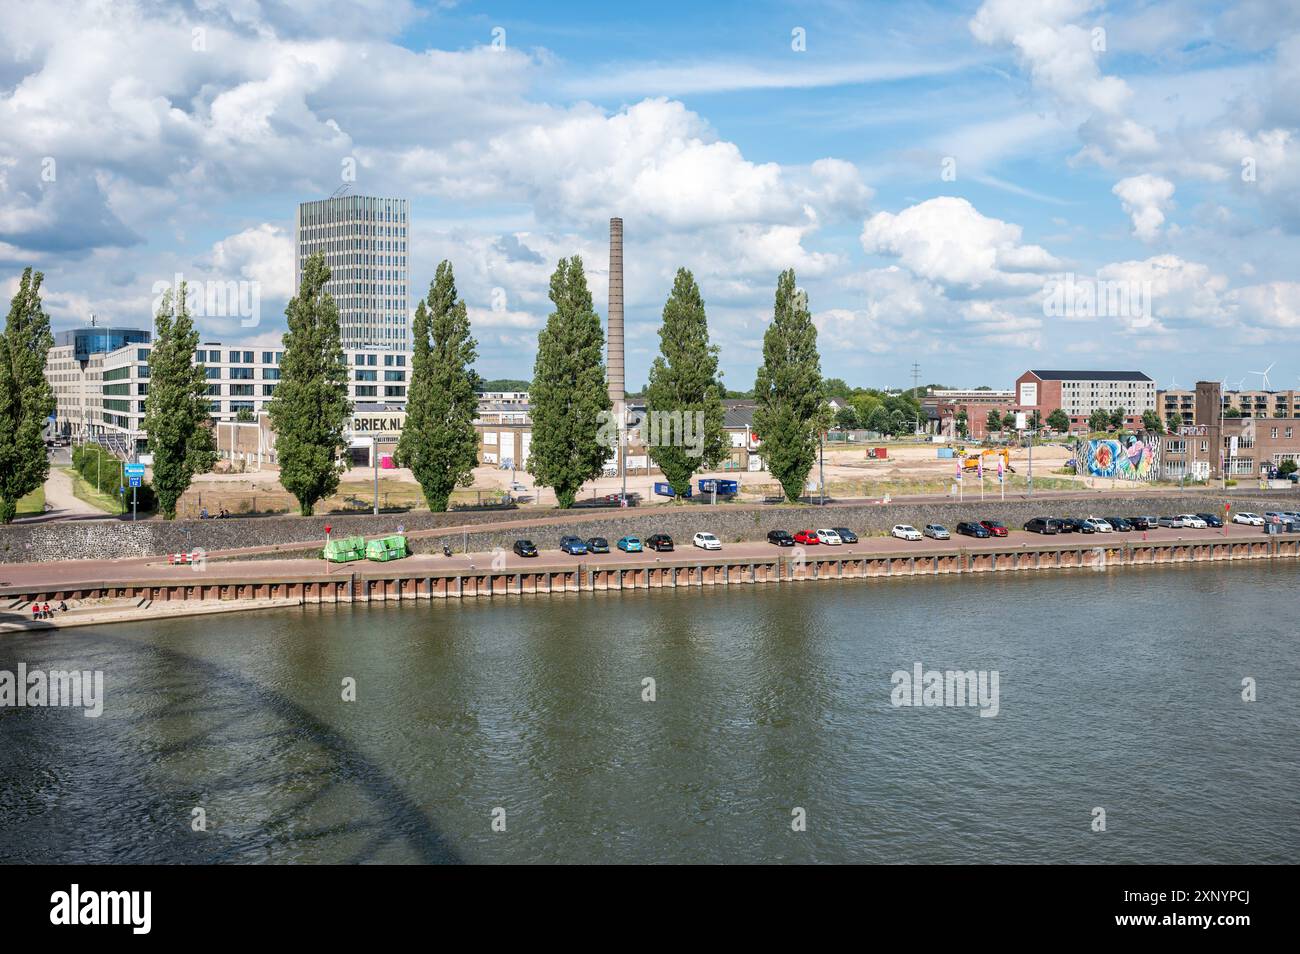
62	502
149	570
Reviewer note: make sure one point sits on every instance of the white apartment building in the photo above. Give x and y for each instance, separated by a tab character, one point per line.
364	240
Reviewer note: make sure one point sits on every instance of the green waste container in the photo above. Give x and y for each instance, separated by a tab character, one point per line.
386	548
346	549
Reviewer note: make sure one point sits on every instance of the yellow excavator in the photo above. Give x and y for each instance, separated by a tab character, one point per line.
972	459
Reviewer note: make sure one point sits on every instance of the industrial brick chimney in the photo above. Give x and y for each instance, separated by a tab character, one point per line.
614	336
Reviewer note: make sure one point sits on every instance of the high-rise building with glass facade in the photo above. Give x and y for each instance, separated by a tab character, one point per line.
365	241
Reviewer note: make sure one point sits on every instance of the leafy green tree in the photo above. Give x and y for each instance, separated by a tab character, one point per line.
1008	421
1287	467
962	423
846	418
310	406
26	400
1232	412
836	388
1035	420
1117	417
993	422
1099	420
1151	422
569	398
683	391
878	420
1058	421
438	440
788	388
176	410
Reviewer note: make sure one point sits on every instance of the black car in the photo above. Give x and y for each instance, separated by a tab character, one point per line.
1120	524
846	535
1043	525
781	538
1078	526
1211	520
660	543
597	545
1143	523
973	530
525	548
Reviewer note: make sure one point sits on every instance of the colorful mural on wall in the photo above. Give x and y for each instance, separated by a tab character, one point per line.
1132	457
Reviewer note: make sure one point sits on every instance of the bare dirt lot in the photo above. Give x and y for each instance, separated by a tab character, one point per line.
849	473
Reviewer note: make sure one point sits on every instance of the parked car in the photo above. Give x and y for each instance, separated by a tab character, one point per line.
660	543
524	548
847	535
706	541
1193	521
630	544
1099	525
597	545
973	529
936	531
807	537
828	537
1172	522
1120	524
780	538
1079	526
1043	525
905	532
574	546
1065	525
1144	523
1250	519
994	527
1211	519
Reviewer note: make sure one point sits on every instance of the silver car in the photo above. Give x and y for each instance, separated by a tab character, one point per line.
936	532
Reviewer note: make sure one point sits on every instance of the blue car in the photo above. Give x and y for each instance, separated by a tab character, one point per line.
630	545
574	546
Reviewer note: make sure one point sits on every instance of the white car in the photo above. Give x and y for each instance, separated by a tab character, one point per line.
706	541
1098	525
1250	519
829	538
905	532
1191	520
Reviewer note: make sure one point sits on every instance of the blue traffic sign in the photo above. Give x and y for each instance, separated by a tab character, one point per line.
135	470
135	481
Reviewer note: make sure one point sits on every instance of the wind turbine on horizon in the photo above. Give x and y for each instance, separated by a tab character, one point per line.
1264	375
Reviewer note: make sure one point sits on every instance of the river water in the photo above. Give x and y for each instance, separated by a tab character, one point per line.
1119	691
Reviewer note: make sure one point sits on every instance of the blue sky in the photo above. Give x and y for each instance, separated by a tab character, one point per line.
931	171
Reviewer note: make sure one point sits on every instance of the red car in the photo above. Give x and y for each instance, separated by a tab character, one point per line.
807	537
993	527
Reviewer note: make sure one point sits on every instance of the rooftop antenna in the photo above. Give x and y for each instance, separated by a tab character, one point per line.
1264	375
92	319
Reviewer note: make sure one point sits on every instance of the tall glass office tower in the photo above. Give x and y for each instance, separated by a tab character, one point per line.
364	240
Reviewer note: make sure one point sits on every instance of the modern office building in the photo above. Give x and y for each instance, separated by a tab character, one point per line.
74	367
365	240
105	397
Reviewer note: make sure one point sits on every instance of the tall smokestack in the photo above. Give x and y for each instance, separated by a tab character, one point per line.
614	364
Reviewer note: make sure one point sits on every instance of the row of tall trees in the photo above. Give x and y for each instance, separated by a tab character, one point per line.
26	399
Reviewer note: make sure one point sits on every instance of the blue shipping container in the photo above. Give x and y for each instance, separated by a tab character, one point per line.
665	489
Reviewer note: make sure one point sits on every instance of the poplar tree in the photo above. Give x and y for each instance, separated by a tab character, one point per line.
26	399
438	440
176	409
683	399
788	389
310	406
569	398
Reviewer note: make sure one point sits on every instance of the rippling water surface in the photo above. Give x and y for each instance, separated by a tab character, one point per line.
1118	690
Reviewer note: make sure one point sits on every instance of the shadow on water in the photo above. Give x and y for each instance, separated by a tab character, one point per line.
277	782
